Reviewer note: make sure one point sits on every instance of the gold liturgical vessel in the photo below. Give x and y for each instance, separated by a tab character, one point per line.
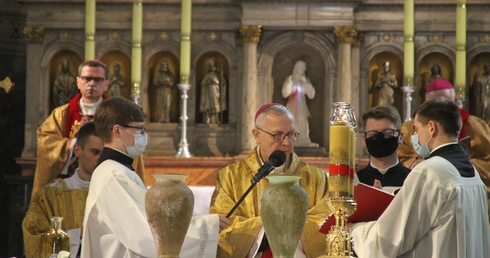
343	128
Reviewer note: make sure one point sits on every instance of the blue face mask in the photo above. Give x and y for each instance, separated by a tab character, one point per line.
422	151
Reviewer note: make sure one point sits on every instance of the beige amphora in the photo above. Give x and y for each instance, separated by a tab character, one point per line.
283	208
169	205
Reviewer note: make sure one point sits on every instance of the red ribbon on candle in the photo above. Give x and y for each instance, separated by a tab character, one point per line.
342	170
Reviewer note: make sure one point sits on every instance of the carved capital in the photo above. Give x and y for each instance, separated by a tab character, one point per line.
34	34
250	33
347	34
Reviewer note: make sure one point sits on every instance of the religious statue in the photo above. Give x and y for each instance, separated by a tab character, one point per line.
213	94
116	82
383	90
163	81
65	85
297	87
482	93
435	73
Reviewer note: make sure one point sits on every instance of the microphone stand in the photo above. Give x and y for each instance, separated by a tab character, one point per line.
241	199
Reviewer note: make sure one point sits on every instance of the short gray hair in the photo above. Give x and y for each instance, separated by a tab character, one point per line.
275	110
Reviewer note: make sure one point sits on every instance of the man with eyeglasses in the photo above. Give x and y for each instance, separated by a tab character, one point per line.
57	135
274	130
382	136
115	222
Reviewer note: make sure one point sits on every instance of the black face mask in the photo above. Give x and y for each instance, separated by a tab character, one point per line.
379	146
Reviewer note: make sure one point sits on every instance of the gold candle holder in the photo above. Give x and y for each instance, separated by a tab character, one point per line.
340	188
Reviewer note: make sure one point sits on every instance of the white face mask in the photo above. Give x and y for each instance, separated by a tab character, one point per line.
140	142
422	151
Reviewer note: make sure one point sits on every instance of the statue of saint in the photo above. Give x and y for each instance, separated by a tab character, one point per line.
482	92
435	73
297	87
116	82
65	85
383	90
163	81
213	94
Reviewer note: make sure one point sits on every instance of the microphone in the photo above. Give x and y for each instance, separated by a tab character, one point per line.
277	158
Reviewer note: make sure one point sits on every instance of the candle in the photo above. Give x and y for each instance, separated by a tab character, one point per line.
185	43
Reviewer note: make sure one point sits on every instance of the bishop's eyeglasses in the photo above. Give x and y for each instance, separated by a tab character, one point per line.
279	137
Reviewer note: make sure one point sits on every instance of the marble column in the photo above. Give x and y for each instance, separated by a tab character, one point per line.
250	35
344	37
356	67
89	29
136	50
35	108
460	80
408	59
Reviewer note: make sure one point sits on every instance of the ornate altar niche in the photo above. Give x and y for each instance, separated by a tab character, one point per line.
376	70
432	66
222	70
118	58
476	78
58	73
155	104
282	68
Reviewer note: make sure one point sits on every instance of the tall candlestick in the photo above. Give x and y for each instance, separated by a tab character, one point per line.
89	29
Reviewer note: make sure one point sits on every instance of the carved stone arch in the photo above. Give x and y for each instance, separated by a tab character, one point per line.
108	45
52	51
365	72
428	56
277	57
200	50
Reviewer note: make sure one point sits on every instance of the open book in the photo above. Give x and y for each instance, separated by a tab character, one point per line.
371	203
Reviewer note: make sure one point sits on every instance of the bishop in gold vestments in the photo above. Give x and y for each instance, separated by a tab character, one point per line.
234	180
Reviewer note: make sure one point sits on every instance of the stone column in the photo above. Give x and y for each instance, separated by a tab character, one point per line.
136	50
460	81
89	29
35	99
356	67
250	35
344	36
408	58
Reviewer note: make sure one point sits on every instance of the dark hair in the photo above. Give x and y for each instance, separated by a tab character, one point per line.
116	110
94	63
443	111
85	132
383	112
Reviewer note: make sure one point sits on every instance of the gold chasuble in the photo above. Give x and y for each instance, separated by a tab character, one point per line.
52	201
54	138
234	180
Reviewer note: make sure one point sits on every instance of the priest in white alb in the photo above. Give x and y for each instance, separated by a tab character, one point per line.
441	210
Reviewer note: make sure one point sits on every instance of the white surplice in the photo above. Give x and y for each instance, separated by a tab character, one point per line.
437	213
115	222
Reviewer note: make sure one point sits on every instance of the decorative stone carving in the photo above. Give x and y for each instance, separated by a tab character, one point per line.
347	34
250	33
34	34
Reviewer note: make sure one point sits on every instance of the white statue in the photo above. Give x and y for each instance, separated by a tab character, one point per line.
297	87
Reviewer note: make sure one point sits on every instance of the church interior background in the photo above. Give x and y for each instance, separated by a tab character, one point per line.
255	45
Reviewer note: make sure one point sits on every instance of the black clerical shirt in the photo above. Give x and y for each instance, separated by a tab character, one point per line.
393	177
109	153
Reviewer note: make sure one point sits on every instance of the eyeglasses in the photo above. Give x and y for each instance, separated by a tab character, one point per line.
279	137
386	133
139	130
87	79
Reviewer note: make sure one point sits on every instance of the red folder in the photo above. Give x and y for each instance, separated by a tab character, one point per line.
371	203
